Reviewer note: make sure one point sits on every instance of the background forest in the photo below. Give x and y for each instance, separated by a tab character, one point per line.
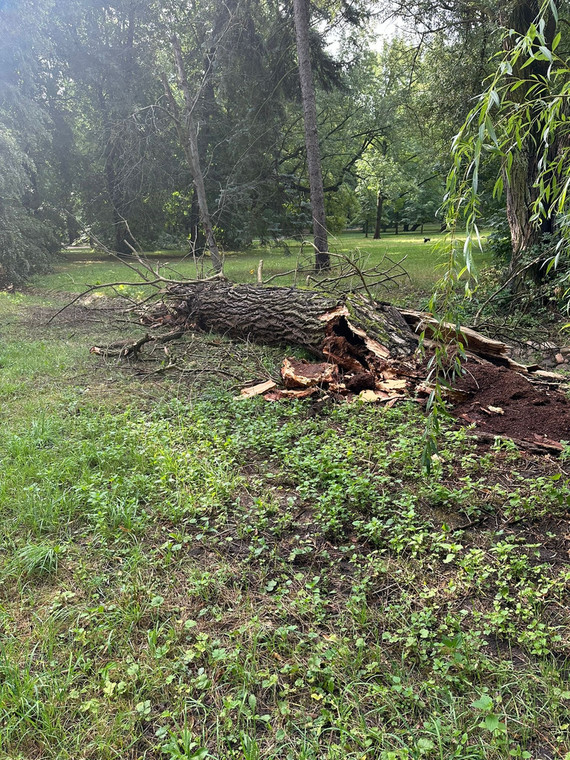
89	143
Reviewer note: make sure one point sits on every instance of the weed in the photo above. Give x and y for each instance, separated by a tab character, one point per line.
31	560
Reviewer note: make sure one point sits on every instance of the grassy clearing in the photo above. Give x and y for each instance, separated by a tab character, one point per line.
184	575
422	263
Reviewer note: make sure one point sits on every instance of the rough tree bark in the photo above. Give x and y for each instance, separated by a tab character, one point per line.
521	191
296	317
301	15
197	238
188	136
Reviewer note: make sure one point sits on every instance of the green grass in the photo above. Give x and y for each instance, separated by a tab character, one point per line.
186	575
422	263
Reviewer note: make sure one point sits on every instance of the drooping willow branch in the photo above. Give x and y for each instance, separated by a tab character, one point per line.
521	112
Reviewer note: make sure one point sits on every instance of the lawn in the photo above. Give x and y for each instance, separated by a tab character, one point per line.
187	575
422	261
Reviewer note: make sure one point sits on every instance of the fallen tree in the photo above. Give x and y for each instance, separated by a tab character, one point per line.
351	330
290	316
365	348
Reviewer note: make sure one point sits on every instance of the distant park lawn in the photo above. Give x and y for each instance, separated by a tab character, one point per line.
422	261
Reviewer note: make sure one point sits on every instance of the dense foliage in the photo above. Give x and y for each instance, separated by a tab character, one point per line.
88	143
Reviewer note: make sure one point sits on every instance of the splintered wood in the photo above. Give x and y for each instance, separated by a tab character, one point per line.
367	350
302	378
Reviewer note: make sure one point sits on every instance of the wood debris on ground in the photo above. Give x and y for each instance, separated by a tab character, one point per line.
367	350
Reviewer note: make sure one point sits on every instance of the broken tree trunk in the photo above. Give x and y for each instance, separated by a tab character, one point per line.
369	352
330	327
494	350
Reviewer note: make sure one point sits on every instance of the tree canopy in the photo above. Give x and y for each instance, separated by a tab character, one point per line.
89	142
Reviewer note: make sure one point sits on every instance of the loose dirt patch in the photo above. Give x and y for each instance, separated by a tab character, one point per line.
503	402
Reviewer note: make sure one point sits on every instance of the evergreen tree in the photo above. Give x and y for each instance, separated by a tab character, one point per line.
31	228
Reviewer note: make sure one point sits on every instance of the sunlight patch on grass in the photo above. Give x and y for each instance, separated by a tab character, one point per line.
422	262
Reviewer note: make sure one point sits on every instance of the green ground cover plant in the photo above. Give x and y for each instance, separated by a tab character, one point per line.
187	575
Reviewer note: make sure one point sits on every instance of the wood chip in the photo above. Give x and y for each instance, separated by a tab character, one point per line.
280	395
257	390
370	397
391	385
556	376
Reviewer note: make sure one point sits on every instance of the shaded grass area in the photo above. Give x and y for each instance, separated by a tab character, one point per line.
422	263
184	575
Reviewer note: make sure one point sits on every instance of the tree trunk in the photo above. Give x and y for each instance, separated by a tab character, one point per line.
301	15
121	232
323	325
379	205
520	181
197	240
518	185
188	136
124	242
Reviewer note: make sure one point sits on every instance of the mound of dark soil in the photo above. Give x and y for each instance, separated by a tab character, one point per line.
503	402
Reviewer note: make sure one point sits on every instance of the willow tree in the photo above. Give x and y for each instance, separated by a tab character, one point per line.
521	118
529	78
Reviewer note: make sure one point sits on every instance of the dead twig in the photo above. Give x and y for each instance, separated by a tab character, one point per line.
127	348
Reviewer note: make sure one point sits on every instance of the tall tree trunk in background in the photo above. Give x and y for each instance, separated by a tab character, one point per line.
188	136
124	242
197	239
379	206
114	149
520	182
301	14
